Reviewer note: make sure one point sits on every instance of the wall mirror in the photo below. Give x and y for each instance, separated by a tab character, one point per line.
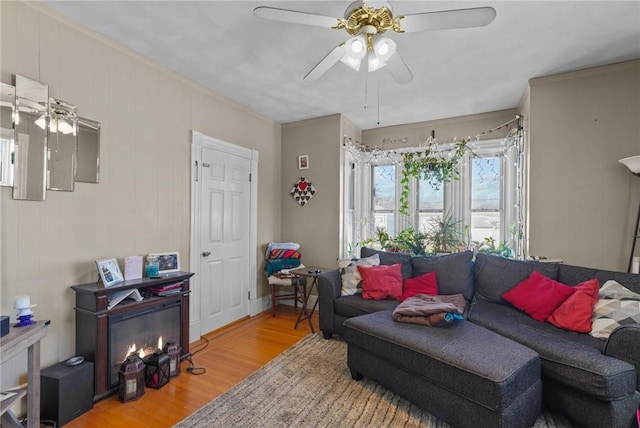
7	135
61	143
30	159
88	151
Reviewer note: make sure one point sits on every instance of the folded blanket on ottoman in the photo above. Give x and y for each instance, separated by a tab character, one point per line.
430	310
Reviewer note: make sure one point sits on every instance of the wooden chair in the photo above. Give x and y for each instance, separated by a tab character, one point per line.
296	290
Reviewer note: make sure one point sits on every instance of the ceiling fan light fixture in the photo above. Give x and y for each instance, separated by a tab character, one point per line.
351	62
65	127
375	63
355	47
384	48
41	122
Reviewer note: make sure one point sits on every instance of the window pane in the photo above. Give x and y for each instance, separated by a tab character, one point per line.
425	219
429	198
485	225
384	187
485	199
384	221
485	184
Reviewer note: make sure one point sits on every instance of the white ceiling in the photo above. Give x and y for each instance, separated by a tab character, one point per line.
260	64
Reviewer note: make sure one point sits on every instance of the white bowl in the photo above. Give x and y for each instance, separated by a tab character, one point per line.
633	163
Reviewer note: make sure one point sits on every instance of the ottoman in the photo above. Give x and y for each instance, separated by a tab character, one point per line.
462	373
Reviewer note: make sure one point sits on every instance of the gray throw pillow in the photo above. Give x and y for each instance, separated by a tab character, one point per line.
454	272
495	275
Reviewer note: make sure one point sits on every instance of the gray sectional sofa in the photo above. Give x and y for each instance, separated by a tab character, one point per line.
594	382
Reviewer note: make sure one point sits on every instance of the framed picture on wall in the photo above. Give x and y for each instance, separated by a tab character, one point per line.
167	262
109	272
303	162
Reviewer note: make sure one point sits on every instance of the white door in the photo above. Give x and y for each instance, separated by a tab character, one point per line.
224	221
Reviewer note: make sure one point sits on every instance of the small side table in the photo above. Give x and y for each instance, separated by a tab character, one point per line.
19	339
309	272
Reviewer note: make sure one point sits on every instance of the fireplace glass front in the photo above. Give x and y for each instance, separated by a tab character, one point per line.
142	332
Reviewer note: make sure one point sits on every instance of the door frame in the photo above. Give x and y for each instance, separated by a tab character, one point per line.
199	141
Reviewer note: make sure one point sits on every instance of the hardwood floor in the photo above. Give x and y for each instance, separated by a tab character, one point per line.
232	354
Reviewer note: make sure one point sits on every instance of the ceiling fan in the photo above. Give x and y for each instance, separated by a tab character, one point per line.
366	23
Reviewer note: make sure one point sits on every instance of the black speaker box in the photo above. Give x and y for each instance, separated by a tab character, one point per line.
4	325
66	391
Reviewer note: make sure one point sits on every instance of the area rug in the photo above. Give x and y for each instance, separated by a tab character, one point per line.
310	385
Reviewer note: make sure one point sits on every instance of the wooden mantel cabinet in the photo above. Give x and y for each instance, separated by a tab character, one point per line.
92	319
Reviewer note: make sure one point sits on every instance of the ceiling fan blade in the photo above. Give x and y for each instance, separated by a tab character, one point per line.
325	63
294	16
448	19
398	69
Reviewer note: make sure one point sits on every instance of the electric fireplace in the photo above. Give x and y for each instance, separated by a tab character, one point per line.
107	336
141	332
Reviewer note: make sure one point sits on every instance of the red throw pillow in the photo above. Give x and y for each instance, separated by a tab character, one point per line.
575	313
538	296
381	282
423	284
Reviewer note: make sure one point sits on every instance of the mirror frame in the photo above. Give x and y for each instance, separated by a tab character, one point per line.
7	133
30	129
31	123
88	147
62	146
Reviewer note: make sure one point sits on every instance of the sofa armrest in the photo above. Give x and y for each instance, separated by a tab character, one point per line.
623	345
329	287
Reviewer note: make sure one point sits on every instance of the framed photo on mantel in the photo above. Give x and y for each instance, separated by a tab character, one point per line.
167	262
109	272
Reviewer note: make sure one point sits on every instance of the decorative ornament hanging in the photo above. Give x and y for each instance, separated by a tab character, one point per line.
302	191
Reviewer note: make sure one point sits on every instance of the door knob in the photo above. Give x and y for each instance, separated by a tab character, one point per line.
206	253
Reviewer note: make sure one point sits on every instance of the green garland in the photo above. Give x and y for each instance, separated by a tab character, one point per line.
431	167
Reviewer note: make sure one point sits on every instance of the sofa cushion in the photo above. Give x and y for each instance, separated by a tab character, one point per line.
390	258
617	306
351	279
381	282
570	358
495	275
573	275
538	296
423	284
454	272
353	306
575	313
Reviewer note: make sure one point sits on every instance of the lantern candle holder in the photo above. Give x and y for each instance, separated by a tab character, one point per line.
173	351
131	377
157	369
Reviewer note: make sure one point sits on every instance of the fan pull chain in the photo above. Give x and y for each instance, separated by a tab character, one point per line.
366	88
378	82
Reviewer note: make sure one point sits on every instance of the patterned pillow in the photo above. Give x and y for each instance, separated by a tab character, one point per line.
351	279
617	306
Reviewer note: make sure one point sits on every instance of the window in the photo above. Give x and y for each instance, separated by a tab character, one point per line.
487	199
430	204
383	186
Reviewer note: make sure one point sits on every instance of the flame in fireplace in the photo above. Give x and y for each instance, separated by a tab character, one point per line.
142	351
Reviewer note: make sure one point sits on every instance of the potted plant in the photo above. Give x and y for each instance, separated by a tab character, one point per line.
489	247
431	166
445	235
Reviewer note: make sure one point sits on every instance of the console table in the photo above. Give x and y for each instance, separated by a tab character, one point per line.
93	316
19	339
